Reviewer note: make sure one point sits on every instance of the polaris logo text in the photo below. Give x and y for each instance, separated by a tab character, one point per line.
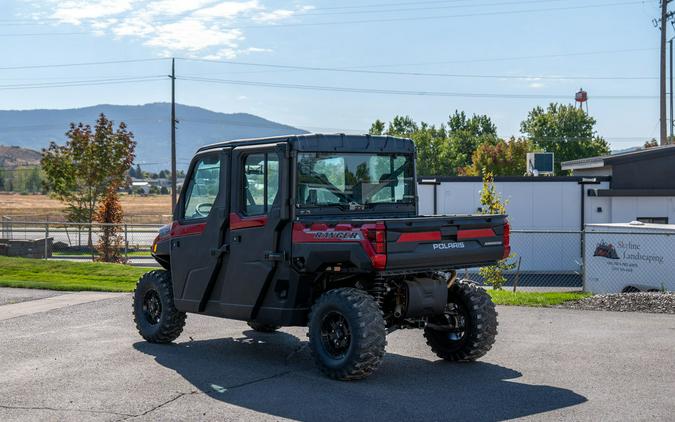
451	245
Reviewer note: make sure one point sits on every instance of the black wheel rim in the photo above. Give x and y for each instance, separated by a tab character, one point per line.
152	307
336	336
455	323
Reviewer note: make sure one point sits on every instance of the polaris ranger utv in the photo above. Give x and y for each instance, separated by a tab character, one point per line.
321	231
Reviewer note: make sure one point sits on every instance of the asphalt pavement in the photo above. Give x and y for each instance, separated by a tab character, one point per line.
86	362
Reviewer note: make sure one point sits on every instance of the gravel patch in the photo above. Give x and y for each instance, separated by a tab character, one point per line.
652	302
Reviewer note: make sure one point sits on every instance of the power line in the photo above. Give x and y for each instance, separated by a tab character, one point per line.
43	66
91	82
378	10
426	74
435	17
401	92
385	20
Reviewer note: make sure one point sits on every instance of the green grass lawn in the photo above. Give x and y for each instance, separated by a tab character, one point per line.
507	297
65	275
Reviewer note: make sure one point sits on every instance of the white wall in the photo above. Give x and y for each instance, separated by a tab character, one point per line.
625	209
535	206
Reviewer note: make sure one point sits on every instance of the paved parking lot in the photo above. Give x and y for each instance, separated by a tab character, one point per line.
86	361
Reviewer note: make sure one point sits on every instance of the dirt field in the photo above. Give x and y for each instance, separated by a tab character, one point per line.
137	209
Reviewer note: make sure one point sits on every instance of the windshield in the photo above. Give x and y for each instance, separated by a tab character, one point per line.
354	180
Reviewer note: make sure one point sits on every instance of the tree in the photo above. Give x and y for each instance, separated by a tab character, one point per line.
442	150
468	133
505	158
565	130
492	203
91	162
138	172
110	215
377	128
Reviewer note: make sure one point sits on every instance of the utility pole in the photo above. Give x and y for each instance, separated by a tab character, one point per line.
672	123
662	88
173	134
665	16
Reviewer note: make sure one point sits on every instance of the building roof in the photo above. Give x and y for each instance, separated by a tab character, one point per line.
606	160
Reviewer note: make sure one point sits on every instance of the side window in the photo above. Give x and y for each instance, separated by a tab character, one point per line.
260	183
202	188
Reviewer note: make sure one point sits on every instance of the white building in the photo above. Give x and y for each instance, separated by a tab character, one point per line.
548	213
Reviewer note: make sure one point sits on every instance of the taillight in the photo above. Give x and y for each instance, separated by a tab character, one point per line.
507	240
380	238
377	236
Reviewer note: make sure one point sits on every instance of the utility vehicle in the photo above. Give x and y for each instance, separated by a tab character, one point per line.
321	231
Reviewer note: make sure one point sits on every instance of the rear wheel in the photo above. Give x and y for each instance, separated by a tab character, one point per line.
156	316
263	328
347	334
466	330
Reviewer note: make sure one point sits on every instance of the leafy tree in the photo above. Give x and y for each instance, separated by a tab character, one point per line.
377	128
565	130
492	203
468	133
504	158
442	150
91	162
110	215
138	172
163	190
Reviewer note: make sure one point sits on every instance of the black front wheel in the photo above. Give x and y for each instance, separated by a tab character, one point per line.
156	316
347	334
467	329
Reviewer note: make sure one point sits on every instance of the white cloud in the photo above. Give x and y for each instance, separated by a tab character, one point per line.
74	11
195	28
536	85
228	9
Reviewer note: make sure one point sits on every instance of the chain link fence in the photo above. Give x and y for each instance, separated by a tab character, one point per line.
73	241
598	260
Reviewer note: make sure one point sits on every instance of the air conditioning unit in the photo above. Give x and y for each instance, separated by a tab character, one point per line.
540	163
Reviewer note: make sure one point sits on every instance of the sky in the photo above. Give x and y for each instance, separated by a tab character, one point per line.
422	58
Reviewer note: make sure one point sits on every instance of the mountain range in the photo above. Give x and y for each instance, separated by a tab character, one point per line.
150	124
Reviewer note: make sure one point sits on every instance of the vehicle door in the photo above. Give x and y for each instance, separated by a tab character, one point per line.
198	249
259	208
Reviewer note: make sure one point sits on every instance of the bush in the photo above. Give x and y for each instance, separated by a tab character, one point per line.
493	204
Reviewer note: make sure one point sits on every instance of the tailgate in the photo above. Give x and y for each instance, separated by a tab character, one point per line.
446	241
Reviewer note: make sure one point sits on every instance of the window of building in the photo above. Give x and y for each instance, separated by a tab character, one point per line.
653	220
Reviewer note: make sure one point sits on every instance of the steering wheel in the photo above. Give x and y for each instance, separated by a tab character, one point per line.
203	209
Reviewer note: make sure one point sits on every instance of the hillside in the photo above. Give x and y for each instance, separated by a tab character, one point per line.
13	156
150	124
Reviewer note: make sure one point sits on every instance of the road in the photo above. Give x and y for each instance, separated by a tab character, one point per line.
85	361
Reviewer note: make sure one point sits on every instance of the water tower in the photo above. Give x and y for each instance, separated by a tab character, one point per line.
581	97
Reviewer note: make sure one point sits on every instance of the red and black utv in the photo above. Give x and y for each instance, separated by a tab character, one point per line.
321	231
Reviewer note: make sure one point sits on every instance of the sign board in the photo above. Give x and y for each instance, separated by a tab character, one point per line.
620	256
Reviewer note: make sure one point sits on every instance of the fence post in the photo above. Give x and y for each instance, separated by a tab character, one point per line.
583	259
126	243
46	240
